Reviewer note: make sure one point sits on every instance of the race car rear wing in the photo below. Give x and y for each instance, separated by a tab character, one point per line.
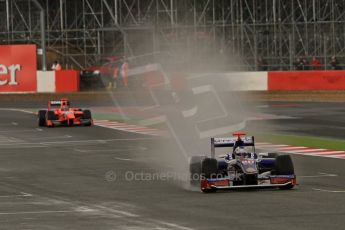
57	103
217	142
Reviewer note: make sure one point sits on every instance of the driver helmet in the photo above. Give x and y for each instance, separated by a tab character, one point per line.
64	106
240	151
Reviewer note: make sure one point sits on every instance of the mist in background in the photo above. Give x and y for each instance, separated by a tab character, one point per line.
189	97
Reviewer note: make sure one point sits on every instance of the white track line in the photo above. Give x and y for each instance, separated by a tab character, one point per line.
131	130
22	194
331	191
127	127
123	159
95	140
175	226
320	175
42	212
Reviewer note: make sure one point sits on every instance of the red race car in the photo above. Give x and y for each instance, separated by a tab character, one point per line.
60	113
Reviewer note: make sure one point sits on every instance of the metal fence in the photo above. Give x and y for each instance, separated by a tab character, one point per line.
81	31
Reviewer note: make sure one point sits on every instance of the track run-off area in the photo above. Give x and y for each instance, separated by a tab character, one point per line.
97	178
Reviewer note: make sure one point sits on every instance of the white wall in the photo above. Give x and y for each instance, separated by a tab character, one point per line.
45	81
233	81
243	81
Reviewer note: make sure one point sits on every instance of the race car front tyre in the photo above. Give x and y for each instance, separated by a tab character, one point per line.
209	167
195	169
284	166
42	117
51	116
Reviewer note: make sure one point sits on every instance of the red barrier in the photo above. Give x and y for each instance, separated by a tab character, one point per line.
67	81
306	80
18	68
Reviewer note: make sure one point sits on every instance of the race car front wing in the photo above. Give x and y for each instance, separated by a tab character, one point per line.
64	122
275	181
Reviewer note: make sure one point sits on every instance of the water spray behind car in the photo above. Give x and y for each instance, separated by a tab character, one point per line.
198	107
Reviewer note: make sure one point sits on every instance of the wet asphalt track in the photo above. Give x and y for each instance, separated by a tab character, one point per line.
312	119
63	178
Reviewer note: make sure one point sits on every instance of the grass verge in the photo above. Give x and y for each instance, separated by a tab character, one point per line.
306	141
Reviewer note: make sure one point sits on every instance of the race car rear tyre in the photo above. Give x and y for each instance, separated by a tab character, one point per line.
42	117
209	167
195	169
87	114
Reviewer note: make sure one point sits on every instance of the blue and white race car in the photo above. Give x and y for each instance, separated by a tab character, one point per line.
241	167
